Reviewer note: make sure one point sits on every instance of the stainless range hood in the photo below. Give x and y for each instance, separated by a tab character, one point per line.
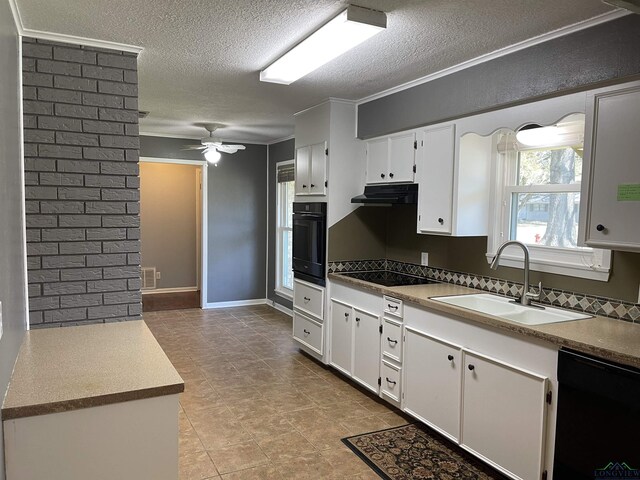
405	193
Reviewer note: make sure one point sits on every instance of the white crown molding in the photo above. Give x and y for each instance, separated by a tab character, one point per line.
545	37
283	139
88	42
186	137
62	37
328	100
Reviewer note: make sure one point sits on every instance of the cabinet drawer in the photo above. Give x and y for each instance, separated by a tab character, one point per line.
309	299
390	380
392	306
392	339
308	332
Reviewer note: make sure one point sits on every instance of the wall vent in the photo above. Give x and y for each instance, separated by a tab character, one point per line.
148	278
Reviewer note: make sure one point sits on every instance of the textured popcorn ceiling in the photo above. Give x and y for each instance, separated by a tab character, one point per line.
202	58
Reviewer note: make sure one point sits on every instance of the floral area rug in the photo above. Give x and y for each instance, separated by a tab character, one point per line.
411	452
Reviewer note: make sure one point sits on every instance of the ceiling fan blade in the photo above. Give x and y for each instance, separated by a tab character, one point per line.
194	147
228	148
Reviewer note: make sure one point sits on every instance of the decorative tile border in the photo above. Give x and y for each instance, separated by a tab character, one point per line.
606	307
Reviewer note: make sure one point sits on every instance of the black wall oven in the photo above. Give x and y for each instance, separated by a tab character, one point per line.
310	241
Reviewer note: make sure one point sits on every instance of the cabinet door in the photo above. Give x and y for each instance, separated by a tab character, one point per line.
303	173
402	156
432	380
366	349
503	415
377	160
615	172
318	175
341	337
435	177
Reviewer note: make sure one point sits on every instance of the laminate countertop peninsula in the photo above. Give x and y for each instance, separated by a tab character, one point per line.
607	338
62	369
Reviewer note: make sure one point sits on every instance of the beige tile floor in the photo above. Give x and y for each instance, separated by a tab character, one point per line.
254	407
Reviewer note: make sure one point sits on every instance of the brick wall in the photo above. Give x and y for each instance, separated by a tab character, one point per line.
82	187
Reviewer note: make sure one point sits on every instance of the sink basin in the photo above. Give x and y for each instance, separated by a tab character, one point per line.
503	307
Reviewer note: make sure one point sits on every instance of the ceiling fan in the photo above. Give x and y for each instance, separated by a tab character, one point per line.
212	147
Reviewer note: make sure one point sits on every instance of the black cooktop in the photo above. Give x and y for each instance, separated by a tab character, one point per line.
388	279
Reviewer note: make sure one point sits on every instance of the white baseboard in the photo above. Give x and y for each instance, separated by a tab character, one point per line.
237	303
280	308
170	290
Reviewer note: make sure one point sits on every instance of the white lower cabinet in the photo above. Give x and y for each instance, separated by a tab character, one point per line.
432	383
307	332
486	390
341	352
366	357
503	415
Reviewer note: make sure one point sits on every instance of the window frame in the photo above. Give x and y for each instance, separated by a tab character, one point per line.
280	289
583	262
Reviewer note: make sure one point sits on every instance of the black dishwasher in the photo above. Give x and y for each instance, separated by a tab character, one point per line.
598	424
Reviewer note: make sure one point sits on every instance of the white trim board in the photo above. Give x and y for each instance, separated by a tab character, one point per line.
280	308
279	140
155	291
72	39
181	161
187	137
560	32
236	303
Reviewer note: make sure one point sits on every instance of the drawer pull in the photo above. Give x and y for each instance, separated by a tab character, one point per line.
391	381
450	358
307	299
392	341
392	307
306	332
346	315
358	319
471	367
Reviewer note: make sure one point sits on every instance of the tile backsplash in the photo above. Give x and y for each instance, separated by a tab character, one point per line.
607	307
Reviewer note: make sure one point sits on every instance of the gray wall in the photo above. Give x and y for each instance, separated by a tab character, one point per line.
278	152
237	217
168	197
601	54
12	252
82	186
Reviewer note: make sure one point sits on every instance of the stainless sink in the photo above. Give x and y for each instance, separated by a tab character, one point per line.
504	307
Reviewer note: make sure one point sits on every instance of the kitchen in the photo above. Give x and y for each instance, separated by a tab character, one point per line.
389	233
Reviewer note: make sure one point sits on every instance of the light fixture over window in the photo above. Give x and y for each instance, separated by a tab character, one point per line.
350	28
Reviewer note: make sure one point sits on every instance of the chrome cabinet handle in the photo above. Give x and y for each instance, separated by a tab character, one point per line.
391	381
392	341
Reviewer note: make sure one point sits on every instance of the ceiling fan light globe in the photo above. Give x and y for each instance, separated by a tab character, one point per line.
212	156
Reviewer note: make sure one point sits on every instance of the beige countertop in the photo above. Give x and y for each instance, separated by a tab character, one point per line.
607	338
61	369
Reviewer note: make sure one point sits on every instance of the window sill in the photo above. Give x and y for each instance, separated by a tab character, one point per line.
594	265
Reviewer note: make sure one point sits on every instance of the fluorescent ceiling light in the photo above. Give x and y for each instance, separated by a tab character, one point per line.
350	28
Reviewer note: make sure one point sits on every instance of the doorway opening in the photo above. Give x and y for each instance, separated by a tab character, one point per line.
173	233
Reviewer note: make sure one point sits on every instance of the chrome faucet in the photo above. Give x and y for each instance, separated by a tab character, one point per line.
526	297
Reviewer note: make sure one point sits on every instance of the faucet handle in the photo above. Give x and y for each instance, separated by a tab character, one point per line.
535	296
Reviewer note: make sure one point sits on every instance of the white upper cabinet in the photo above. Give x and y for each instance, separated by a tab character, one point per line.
611	175
454	184
311	169
435	177
391	159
